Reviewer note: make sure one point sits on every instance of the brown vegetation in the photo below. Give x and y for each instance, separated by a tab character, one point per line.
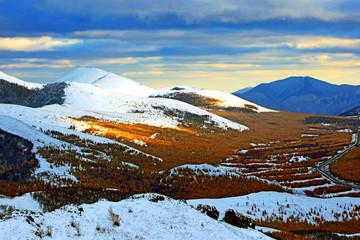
348	166
293	225
286	236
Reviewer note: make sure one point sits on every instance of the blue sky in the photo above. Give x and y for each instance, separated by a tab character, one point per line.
225	45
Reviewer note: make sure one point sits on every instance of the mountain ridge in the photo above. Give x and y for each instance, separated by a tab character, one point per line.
305	95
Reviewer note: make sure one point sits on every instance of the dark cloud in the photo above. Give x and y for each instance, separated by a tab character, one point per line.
55	17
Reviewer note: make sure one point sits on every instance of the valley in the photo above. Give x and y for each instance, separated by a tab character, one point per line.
108	137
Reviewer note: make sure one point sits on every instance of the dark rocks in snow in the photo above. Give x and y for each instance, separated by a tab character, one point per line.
238	220
210	211
177	89
157	198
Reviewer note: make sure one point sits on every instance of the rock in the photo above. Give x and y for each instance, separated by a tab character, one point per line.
210	211
238	220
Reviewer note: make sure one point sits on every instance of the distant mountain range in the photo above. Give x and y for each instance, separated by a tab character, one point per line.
305	95
354	112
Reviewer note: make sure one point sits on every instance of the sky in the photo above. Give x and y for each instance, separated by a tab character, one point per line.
214	44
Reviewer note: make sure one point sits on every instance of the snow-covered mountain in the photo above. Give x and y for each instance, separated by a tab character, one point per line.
305	95
96	93
86	99
106	80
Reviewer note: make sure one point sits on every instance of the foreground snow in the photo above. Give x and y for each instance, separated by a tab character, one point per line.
138	218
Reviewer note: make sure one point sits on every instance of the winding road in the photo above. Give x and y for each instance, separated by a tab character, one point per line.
323	168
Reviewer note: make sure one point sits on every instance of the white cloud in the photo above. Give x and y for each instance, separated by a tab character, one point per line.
34	65
34	44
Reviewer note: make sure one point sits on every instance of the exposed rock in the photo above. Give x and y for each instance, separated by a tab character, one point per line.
157	198
238	220
210	211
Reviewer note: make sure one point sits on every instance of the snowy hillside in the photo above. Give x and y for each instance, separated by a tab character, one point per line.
217	98
86	99
21	129
290	205
145	216
17	81
94	92
106	80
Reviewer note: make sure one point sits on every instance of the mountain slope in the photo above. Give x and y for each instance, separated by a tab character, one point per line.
86	99
354	112
209	99
106	80
241	91
96	93
306	95
19	82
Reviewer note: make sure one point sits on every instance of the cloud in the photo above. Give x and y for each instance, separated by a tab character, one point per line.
45	43
314	42
34	63
157	39
332	60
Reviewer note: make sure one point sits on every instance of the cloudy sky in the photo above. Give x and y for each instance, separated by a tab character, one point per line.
214	44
